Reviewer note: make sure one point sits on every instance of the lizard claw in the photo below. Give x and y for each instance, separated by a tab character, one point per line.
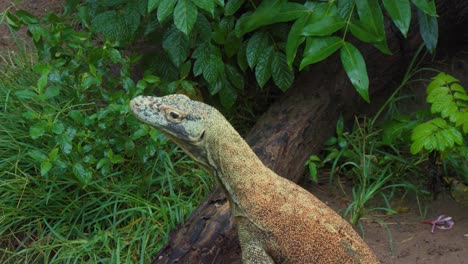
442	222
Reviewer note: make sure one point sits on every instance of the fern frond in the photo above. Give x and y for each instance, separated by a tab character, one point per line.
449	99
435	134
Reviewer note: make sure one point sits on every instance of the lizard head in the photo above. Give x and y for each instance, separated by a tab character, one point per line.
183	120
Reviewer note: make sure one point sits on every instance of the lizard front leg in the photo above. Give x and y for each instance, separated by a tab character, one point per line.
253	251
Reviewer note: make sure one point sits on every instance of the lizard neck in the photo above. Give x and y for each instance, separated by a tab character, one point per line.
234	163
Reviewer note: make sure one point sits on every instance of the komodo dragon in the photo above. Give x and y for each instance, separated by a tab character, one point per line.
278	221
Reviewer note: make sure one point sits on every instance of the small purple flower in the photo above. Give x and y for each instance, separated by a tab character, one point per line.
442	222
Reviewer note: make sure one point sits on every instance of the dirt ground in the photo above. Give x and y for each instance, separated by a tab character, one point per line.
413	241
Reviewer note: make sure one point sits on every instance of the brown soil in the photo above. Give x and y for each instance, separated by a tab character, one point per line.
413	241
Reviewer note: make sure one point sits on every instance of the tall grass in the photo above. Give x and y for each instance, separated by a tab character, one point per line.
122	216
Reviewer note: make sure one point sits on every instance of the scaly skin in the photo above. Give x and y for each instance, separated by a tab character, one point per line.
278	221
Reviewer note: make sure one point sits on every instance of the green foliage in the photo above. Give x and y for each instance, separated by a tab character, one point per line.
76	184
449	100
199	36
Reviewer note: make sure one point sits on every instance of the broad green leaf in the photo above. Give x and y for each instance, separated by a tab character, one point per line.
26	17
255	47
185	16
295	39
426	6
52	91
227	96
324	27
355	68
345	7
363	33
13	21
232	44
282	75
235	77
207	5
400	12
165	9
45	167
435	134
429	30
152	5
370	15
37	155
65	140
53	154
319	48
38	129
263	68
267	13
242	57
232	6
313	171
176	44
58	127
82	174
25	94
185	69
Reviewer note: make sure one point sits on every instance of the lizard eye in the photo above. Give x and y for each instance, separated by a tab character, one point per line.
174	116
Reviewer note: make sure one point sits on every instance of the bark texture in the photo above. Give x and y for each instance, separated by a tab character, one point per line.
290	131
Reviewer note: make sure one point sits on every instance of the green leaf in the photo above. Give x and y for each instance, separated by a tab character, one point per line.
58	127
37	155
152	5
429	30
295	39
324	27
185	69
371	18
426	6
52	91
82	174
232	6
255	47
26	17
227	96
25	94
363	32
435	134
400	12
355	68
207	5
267	13
319	48
232	44
165	9
235	77
345	7
263	68
340	126
282	75
370	15
13	21
65	140
242	56
185	16
177	46
53	154
313	172
45	167
38	129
